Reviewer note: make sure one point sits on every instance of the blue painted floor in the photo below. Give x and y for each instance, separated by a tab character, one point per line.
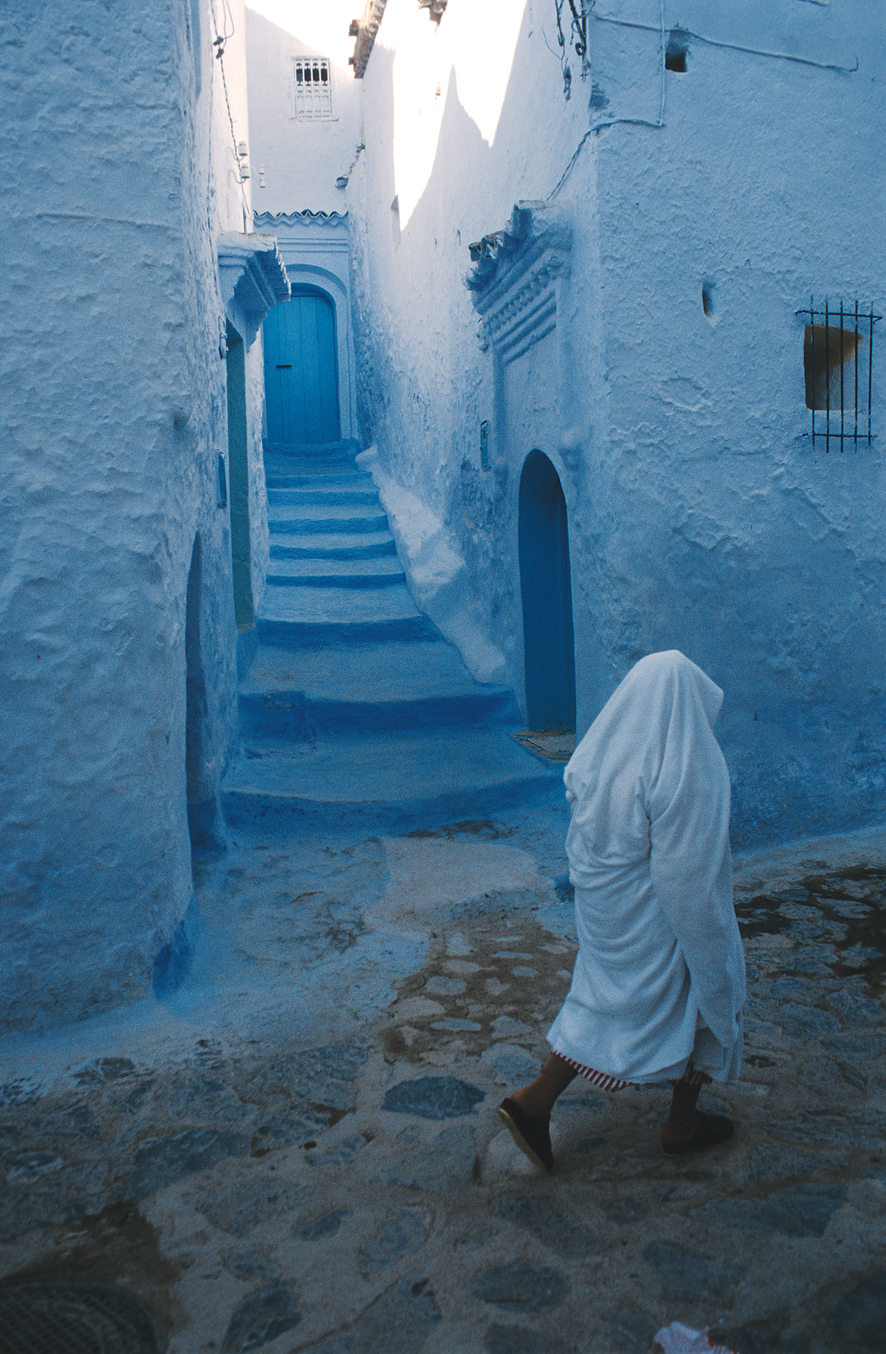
355	709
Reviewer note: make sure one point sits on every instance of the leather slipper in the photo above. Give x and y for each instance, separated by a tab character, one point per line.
530	1134
713	1129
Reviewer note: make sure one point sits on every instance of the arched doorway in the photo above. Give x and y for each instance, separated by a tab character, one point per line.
547	597
301	369
238	471
201	807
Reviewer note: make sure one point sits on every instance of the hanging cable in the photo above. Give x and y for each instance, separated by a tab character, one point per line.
219	43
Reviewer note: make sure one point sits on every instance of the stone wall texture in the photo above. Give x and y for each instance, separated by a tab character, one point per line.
700	516
115	415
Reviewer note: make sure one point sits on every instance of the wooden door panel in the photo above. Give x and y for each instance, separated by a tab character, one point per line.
301	371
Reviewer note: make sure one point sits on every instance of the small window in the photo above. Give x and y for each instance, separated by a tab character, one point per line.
830	366
838	346
313	89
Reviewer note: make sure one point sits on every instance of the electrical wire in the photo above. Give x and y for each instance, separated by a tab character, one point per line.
611	122
734	46
220	42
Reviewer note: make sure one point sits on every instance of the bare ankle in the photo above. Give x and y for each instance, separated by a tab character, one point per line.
532	1102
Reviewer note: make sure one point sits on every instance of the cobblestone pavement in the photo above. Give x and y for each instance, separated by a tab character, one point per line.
299	1151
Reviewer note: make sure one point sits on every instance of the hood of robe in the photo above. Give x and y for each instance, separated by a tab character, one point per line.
664	698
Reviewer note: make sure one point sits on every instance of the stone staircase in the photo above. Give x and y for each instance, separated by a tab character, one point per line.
355	709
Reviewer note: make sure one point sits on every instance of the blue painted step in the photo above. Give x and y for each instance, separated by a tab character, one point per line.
321	494
395	781
291	695
356	710
335	458
325	518
305	479
380	572
331	545
339	616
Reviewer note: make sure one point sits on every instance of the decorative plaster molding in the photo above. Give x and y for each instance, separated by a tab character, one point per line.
512	281
302	218
364	30
251	273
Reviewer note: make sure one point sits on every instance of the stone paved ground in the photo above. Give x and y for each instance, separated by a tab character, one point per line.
298	1152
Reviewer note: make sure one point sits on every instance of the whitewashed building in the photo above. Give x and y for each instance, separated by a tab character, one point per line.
600	287
134	546
606	437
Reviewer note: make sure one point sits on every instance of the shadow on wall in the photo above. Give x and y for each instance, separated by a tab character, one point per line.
459	490
202	804
238	470
174	961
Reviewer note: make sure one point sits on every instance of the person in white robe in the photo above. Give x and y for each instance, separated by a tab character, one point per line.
658	985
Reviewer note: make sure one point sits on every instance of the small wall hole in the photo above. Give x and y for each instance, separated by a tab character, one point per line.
707	299
675	53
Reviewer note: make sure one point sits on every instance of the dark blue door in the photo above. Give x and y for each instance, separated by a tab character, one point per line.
301	371
547	597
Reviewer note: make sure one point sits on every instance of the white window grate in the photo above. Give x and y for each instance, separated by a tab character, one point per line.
313	89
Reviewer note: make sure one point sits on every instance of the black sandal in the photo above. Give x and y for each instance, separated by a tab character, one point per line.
530	1134
713	1129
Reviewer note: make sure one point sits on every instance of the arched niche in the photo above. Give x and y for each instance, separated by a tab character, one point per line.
546	592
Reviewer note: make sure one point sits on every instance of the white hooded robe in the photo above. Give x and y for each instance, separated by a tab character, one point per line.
659	978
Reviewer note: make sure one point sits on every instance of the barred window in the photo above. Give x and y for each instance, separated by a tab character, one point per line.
838	345
313	89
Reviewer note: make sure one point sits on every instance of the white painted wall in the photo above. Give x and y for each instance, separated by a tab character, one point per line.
301	203
700	517
301	160
124	172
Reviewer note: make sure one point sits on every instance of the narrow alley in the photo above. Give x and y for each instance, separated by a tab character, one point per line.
385	387
298	1150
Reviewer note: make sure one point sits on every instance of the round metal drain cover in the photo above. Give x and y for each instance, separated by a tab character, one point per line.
51	1317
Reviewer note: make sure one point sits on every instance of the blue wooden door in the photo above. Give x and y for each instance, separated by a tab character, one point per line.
301	371
546	588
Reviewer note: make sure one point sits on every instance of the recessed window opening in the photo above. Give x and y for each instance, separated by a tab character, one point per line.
838	347
313	89
675	52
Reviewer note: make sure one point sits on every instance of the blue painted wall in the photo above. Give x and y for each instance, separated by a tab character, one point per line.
666	385
119	680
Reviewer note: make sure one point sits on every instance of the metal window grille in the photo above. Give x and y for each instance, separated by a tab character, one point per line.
838	353
313	89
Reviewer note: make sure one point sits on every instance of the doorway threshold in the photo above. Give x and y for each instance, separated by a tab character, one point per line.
555	745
